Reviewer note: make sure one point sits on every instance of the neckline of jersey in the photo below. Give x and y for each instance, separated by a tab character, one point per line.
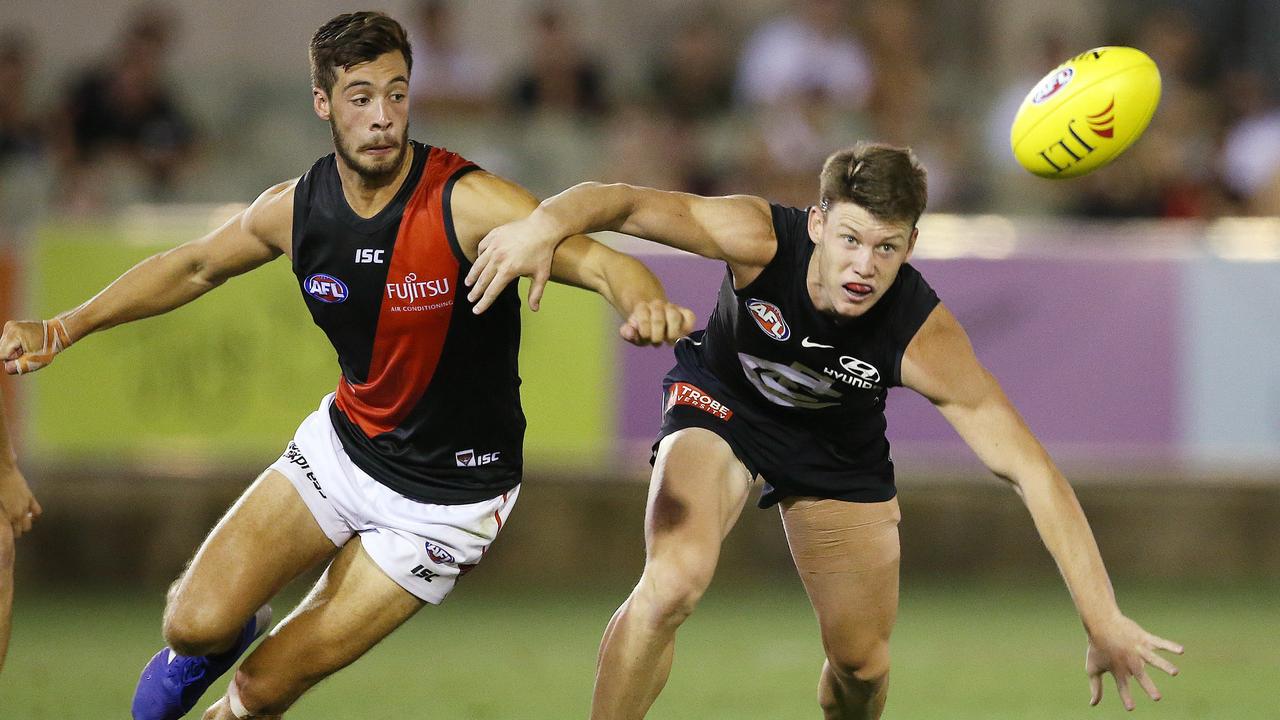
395	206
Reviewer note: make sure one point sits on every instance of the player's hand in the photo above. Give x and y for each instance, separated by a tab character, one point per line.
519	248
1124	649
657	322
28	345
18	507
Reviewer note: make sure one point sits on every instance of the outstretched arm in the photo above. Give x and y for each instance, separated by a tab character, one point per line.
482	201
160	283
940	364
736	229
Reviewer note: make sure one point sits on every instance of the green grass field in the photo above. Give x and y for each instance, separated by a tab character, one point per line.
990	652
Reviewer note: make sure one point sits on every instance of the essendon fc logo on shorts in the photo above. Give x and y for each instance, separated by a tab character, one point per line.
769	318
691	395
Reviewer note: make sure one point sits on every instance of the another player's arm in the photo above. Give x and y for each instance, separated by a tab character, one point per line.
18	507
940	364
736	229
160	283
482	201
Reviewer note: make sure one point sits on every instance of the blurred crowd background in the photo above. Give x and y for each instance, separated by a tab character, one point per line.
209	101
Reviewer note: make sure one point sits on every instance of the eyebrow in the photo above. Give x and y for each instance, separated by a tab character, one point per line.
848	229
358	83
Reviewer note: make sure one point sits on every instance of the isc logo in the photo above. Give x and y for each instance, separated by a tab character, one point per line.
366	256
469	458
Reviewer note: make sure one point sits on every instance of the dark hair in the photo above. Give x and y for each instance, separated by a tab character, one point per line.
351	39
888	181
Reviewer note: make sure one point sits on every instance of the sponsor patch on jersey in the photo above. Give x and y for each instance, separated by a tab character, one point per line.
769	318
325	288
685	394
439	554
471	458
861	368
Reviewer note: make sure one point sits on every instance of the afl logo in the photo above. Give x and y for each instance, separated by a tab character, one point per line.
1052	85
769	318
861	368
439	554
325	288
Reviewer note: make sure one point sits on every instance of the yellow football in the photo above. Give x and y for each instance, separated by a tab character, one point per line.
1085	112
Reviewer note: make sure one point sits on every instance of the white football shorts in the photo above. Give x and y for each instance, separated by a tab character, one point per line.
425	548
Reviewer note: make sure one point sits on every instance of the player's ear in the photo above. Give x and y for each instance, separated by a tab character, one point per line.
815	224
320	102
911	242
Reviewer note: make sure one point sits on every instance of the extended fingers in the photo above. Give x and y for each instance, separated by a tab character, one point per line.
1095	688
1163	644
1148	686
1122	686
1154	659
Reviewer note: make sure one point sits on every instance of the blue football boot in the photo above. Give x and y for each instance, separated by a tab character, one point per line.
172	684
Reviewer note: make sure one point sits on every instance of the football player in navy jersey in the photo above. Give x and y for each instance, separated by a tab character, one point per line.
404	476
18	510
818	315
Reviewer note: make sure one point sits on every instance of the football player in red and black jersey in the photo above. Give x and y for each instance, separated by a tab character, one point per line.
818	316
404	476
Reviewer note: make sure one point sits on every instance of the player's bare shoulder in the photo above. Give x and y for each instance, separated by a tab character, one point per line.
270	217
480	202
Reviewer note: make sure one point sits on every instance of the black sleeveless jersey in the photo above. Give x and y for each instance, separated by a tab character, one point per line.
428	403
772	348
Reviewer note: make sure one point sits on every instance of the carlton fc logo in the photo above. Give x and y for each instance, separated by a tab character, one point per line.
769	318
325	288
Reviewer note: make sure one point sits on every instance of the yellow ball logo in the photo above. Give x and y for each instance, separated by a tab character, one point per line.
1085	112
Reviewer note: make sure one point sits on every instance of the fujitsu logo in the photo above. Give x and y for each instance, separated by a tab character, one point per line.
413	289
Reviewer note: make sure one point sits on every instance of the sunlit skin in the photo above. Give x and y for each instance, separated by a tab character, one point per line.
368	113
857	258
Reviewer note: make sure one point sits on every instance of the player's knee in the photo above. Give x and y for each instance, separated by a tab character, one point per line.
670	593
196	629
257	694
865	664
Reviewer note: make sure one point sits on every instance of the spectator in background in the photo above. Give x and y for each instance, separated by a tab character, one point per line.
124	108
20	131
807	79
449	76
1250	160
560	76
806	53
693	77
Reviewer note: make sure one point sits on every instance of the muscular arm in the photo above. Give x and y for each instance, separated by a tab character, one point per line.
940	364
736	229
162	282
482	202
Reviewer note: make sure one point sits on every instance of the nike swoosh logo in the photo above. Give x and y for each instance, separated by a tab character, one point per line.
806	343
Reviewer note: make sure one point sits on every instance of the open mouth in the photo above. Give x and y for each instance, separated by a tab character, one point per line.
858	292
